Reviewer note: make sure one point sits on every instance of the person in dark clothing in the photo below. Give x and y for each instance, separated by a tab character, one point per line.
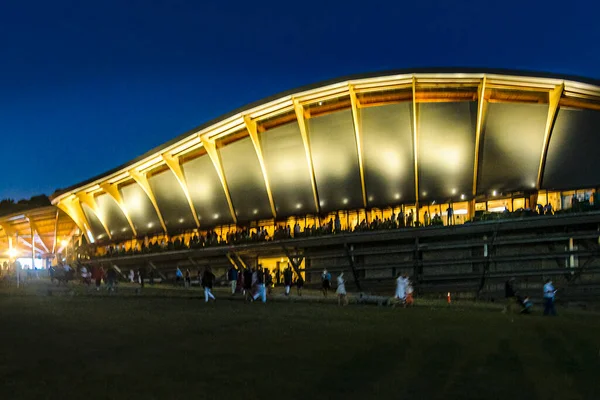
268	281
111	279
510	295
325	282
287	280
208	279
299	285
141	276
232	277
247	283
188	278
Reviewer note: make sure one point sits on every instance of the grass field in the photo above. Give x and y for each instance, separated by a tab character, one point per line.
96	346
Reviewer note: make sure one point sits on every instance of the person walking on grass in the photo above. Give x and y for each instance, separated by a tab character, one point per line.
247	284
299	285
326	282
188	278
341	290
549	294
111	280
208	279
260	285
268	281
178	277
98	275
141	276
232	277
510	294
287	280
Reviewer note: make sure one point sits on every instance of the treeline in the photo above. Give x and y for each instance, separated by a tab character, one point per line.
9	206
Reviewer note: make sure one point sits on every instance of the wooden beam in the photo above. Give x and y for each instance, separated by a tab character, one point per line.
55	231
299	109
175	167
213	154
72	208
113	191
90	201
553	106
481	113
358	136
142	180
253	131
35	231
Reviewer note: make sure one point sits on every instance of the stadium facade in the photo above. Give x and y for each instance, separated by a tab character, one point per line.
360	147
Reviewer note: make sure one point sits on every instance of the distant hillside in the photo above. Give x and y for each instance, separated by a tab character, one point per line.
9	206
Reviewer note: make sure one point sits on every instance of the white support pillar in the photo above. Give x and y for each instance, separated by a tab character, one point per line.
573	261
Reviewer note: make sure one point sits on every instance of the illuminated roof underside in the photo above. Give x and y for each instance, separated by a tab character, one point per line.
366	142
46	230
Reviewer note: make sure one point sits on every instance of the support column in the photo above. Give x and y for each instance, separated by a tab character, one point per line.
416	148
350	254
32	246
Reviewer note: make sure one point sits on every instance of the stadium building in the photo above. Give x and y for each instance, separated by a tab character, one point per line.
450	146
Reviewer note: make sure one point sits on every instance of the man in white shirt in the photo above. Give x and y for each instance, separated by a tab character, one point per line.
549	294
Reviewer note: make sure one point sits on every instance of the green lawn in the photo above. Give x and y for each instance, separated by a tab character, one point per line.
125	346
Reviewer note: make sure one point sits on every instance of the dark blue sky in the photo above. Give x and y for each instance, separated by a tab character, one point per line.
86	86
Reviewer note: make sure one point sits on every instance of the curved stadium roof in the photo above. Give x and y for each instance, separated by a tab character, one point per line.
358	142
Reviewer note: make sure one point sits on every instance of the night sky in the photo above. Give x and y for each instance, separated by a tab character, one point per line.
87	86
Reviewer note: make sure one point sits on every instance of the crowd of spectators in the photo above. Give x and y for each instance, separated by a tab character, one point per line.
331	227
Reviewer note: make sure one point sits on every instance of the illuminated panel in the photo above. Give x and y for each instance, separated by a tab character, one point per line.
140	209
207	192
446	150
95	224
333	146
285	162
512	143
245	181
572	160
388	154
171	201
115	219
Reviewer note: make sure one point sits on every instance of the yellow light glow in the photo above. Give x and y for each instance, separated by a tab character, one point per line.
12	252
392	160
64	242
